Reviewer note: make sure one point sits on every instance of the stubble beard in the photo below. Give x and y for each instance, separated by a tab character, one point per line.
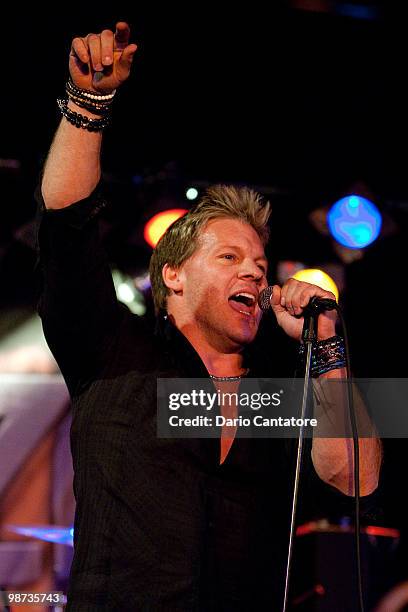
226	336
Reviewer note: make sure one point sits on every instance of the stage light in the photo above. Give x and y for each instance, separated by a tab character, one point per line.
125	293
317	277
286	269
191	193
357	11
354	222
155	228
128	293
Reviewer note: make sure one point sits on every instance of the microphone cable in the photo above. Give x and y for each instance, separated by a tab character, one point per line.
356	449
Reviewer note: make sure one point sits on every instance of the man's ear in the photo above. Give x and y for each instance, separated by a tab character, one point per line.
173	278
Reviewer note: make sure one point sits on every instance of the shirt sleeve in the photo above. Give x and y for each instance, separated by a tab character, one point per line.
78	306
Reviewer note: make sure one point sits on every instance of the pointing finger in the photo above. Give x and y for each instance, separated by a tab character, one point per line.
122	35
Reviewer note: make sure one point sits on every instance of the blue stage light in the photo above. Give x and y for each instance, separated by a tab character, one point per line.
354	221
357	11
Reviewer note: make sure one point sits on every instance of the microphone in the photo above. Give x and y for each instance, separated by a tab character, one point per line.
315	305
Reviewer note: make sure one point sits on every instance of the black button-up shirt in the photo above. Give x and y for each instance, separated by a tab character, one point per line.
159	524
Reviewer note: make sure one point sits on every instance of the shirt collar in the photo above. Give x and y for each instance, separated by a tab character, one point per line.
184	356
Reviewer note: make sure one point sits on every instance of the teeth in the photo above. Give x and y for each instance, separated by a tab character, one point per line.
247	295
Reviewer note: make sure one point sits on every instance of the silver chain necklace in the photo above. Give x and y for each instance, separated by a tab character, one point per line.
228	378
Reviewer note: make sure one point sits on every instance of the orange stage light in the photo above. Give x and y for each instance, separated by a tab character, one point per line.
157	225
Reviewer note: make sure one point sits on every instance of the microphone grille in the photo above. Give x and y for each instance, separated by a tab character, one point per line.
264	299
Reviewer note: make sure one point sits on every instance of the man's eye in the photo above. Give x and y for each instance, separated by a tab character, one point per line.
229	256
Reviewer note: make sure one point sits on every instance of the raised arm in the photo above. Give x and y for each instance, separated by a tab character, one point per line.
98	63
78	306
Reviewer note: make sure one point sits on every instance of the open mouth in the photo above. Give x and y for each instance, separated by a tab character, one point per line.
243	302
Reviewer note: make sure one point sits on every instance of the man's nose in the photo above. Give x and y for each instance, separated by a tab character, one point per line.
250	269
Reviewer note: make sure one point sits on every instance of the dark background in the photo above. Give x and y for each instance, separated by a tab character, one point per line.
305	105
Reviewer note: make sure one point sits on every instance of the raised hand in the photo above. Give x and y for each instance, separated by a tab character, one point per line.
102	62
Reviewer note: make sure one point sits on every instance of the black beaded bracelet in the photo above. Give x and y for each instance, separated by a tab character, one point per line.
81	121
97	109
327	355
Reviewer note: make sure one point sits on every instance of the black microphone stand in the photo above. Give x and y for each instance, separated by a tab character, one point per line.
309	334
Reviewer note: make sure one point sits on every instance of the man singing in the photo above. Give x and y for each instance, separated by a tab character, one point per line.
164	524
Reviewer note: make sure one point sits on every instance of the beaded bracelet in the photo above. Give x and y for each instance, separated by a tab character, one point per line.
97	109
81	121
327	355
96	103
91	95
